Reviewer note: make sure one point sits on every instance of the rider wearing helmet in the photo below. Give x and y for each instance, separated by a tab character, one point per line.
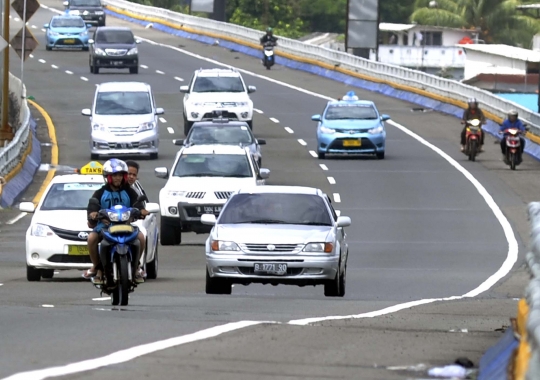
512	122
268	37
116	191
472	112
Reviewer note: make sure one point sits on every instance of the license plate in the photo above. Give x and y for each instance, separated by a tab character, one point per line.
209	209
352	143
125	146
78	250
69	42
270	268
121	228
117	63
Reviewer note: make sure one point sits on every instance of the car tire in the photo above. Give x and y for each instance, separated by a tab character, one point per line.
152	268
336	287
96	69
85	48
187	125
154	156
321	155
47	273
170	234
94	156
217	285
380	155
33	274
134	70
250	124
48	48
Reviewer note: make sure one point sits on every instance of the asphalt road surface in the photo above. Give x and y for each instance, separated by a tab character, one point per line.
421	230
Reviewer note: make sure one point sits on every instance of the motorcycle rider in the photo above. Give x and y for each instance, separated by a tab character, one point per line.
472	112
268	37
116	191
512	122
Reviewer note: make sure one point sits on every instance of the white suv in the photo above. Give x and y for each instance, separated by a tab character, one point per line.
214	92
201	180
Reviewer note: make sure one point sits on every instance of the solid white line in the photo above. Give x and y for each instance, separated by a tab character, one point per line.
101	299
162	120
257	110
43	6
84	79
17	218
131	353
179	79
302	142
69	72
144	67
331	180
159	72
171	131
54	66
42	61
337	198
323	166
313	153
274	120
289	130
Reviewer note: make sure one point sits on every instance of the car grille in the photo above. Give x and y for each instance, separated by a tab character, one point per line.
123	131
68	259
116	52
223	194
290	271
67	234
196	194
272	248
338	144
352	131
225	114
133	145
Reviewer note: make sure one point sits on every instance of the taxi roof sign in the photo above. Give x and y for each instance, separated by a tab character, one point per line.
92	167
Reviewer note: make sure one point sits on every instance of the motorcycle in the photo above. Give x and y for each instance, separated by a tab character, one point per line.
512	140
268	54
473	138
117	250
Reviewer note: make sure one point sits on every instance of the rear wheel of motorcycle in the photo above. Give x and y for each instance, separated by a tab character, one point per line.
512	161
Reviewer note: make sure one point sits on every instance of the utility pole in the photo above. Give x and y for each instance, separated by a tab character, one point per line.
6	134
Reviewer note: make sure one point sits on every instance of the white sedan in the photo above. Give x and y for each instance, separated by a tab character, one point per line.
56	238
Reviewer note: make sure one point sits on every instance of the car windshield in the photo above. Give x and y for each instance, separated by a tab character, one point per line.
218	84
276	208
85	3
69	196
115	37
358	112
123	103
68	23
213	165
227	135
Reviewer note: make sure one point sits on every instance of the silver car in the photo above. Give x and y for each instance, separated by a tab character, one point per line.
277	235
124	120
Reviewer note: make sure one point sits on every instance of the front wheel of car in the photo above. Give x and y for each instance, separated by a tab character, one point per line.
47	47
336	287
153	156
85	48
170	234
152	268
380	155
33	274
134	70
217	285
47	273
321	156
187	125
94	156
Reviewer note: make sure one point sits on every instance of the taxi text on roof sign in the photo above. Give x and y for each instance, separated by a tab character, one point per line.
92	167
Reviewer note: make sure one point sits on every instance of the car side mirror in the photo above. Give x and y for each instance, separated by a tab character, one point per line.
252	89
316	117
385	117
160	111
261	141
184	89
264	173
161	172
152	208
178	142
91	41
86	112
28	207
208	219
46	26
137	41
88	26
343	221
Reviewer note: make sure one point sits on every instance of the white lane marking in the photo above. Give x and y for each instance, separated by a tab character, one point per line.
171	131
31	55
274	120
162	120
323	166
43	6
42	61
331	180
144	66
313	153
43	30
47	305
1	284
302	142
131	353
54	66
34	27
101	299
179	79
159	72
257	110
337	197
69	72
84	79
289	130
17	218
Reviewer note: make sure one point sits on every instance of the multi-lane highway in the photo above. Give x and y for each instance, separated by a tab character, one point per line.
426	223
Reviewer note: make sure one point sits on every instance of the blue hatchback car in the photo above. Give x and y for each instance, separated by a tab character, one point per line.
66	31
351	126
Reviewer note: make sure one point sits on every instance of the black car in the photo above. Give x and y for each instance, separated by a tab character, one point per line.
113	48
91	11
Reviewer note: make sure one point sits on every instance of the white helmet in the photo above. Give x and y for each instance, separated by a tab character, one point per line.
113	166
513	113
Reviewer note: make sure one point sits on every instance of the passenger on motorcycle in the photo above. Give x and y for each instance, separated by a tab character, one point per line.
116	191
472	112
512	122
268	37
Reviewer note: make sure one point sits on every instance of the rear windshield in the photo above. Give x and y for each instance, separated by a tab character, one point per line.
85	3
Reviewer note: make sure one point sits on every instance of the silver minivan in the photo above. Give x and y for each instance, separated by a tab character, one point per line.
124	120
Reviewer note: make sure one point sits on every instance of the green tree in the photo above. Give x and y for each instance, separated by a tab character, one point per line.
327	16
396	11
497	20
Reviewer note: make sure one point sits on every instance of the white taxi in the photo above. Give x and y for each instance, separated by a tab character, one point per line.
56	238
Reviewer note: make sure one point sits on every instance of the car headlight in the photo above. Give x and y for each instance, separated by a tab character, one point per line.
85	33
41	230
242	104
176	193
327	130
74	13
197	104
146	126
319	247
100	51
218	245
99	13
99	127
376	130
133	51
53	34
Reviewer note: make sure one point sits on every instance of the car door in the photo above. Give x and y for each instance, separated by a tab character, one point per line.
150	224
